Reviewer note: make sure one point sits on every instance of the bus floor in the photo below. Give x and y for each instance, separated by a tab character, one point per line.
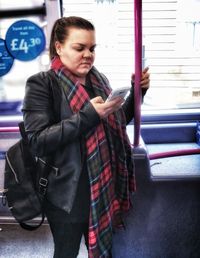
16	242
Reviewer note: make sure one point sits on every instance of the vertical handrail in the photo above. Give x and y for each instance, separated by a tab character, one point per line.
138	69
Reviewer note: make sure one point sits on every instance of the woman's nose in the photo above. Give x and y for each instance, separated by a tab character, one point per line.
87	53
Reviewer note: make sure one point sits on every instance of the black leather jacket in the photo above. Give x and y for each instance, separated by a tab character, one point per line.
55	133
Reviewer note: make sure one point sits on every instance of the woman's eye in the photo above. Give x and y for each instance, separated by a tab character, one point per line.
92	49
79	49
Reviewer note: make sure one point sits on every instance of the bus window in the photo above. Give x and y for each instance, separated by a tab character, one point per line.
175	74
174	63
12	84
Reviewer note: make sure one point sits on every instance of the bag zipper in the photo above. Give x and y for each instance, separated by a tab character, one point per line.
12	169
44	162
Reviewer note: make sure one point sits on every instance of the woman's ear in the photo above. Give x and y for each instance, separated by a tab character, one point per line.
58	47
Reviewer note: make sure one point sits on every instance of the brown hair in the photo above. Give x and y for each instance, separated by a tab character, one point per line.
60	30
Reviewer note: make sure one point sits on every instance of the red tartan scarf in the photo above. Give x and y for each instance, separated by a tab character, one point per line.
109	162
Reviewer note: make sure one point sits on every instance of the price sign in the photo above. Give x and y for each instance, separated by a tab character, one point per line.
25	40
6	60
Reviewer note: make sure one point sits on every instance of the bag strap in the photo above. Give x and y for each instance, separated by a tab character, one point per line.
22	131
43	182
55	88
32	227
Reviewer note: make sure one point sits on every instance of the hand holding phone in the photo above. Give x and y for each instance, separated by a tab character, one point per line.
119	92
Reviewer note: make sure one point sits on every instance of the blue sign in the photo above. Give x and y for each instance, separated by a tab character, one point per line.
25	40
6	60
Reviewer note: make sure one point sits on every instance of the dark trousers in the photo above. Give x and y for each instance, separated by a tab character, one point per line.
67	238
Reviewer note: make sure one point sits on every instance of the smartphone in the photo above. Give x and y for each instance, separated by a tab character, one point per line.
119	92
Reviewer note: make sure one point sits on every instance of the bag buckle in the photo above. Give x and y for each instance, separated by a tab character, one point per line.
4	199
43	182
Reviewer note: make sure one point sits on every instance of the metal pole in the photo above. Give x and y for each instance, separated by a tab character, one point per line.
138	69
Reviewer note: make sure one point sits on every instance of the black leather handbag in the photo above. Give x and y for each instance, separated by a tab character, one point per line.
24	190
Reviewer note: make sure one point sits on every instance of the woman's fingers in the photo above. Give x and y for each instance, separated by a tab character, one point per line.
106	108
144	78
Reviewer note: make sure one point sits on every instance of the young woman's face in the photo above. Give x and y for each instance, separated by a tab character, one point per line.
77	52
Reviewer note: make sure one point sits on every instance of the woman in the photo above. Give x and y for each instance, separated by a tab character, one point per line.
83	140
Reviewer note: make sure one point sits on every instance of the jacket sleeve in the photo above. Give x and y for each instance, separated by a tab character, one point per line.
128	105
45	134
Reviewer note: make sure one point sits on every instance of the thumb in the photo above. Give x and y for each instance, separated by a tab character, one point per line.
133	77
97	99
145	69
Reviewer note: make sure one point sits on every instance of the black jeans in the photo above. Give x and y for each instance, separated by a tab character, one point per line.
67	238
